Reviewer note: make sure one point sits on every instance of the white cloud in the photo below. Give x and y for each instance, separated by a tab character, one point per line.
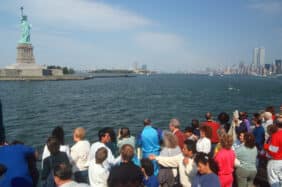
78	14
159	42
267	6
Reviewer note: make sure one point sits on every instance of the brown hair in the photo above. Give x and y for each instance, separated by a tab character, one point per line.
249	140
80	133
53	145
271	129
226	141
127	152
101	155
170	141
207	130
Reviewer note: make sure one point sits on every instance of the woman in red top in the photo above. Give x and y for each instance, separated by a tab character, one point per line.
225	159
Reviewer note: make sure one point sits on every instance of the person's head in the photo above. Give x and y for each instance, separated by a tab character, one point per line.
249	140
270	109
62	174
243	115
226	141
147	122
195	123
104	136
53	145
169	140
127	153
267	116
271	129
188	131
205	131
278	122
174	124
78	134
208	116
147	167
205	164
221	131
241	136
189	148
58	132
111	132
124	132
101	155
223	118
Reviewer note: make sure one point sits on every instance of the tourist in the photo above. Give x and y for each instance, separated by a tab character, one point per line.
56	157
147	167
184	162
63	176
79	155
14	158
174	126
271	109
267	116
259	133
207	172
149	141
104	138
196	127
240	140
112	144
243	116
247	155
58	132
126	173
167	175
189	134
225	159
237	126
124	137
223	119
221	131
274	149
98	174
2	129
204	142
214	126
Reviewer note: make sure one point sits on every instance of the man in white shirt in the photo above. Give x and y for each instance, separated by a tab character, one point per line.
104	137
80	155
62	177
185	162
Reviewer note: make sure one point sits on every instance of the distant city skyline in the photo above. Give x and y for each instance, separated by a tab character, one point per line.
167	36
259	57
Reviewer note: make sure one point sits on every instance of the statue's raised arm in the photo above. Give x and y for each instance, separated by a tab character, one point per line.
25	29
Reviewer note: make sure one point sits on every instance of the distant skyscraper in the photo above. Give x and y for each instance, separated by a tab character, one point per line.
258	57
278	64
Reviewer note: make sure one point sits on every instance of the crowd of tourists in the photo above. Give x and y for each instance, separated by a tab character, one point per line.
237	151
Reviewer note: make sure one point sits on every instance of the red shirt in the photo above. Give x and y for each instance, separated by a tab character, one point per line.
274	147
180	138
214	126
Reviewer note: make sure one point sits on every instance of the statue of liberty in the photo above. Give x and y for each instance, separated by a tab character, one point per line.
25	29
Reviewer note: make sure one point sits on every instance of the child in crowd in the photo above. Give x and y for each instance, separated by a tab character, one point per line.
204	143
207	172
150	180
188	132
98	174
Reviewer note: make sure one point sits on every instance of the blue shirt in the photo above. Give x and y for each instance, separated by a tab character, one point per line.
152	181
207	180
258	132
14	158
149	141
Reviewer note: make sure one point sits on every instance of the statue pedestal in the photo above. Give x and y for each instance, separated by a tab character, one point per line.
25	54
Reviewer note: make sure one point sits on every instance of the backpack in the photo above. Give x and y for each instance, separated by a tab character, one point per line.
49	182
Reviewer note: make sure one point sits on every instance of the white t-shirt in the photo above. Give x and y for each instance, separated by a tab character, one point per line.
203	145
98	175
110	161
79	155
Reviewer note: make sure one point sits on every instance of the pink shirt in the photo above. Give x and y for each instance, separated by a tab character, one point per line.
225	159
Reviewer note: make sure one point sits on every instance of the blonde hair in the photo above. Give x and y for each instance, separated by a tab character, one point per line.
79	133
267	115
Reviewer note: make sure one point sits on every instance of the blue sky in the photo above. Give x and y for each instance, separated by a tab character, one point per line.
169	36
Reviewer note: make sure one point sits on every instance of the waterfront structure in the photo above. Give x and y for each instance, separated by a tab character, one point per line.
278	65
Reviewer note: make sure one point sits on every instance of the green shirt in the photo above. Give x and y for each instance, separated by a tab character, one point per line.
247	157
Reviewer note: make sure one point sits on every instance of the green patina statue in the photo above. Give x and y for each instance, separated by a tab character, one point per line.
25	29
